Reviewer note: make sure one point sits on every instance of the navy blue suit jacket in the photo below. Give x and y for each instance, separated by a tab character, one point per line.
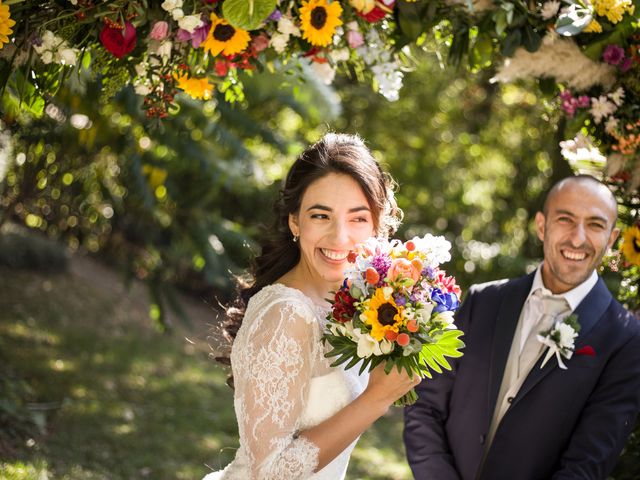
563	424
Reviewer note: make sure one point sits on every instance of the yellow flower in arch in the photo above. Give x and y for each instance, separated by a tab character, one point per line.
198	88
383	315
5	24
319	20
631	245
225	38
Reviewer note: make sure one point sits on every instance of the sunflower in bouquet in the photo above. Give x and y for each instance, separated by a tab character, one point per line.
396	306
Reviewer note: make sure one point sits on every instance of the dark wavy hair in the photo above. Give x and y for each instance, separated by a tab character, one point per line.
334	153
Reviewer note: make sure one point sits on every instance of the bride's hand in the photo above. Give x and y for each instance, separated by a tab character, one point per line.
387	388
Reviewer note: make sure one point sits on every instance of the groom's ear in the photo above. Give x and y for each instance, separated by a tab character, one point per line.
540	220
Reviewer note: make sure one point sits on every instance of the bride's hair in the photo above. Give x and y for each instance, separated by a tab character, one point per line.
334	153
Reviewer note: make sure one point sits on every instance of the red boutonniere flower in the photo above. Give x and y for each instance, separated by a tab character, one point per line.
586	350
118	41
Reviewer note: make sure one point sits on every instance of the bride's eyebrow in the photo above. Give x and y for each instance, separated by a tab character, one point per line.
317	206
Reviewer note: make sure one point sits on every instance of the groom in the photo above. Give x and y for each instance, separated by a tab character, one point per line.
503	415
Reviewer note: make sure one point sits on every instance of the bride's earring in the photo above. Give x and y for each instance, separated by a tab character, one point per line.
295	238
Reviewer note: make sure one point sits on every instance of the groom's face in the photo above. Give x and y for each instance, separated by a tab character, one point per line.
576	229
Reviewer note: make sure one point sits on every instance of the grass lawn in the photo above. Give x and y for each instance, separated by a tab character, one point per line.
115	399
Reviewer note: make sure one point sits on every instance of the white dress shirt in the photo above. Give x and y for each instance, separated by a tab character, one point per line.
531	311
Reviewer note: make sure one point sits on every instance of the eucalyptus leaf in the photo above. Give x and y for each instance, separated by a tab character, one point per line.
247	14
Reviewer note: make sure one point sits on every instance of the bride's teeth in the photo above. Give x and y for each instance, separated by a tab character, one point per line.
334	255
574	256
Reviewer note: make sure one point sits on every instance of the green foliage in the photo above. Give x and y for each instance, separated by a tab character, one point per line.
433	354
173	205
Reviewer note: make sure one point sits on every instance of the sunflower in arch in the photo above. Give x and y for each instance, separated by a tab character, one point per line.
631	245
225	38
319	20
383	314
6	22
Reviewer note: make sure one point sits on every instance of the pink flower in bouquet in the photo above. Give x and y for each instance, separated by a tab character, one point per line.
404	268
447	284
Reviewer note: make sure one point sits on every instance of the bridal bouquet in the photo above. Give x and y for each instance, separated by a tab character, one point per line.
396	306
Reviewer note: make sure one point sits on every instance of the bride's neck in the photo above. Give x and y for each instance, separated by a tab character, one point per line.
317	290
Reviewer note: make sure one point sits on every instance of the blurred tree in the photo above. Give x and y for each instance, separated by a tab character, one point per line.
174	205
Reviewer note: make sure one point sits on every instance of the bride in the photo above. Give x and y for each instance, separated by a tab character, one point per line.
299	418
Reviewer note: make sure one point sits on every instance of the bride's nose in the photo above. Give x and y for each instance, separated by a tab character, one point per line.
340	233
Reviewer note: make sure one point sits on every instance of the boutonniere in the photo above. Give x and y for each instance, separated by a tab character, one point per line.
560	340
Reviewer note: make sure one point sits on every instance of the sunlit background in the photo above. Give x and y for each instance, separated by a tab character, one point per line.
119	241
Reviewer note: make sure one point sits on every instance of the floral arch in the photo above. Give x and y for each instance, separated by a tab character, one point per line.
585	53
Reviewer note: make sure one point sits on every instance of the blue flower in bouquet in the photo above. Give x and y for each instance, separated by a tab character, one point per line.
444	301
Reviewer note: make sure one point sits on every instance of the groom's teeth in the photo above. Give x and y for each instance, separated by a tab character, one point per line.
334	255
574	256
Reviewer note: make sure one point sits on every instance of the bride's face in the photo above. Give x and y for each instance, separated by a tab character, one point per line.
334	216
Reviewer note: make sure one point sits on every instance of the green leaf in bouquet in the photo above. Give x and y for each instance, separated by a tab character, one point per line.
448	345
247	14
343	358
354	361
365	364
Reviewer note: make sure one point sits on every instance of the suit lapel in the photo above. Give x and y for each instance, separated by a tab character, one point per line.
588	312
515	295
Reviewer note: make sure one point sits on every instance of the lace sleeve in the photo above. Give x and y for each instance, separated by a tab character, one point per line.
276	363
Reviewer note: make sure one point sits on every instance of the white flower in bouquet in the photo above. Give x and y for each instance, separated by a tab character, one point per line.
445	317
436	248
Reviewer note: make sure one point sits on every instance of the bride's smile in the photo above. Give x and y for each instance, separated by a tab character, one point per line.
334	216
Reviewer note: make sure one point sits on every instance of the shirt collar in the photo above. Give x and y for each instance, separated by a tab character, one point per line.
573	296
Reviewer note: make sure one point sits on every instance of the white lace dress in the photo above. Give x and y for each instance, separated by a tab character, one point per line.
284	384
